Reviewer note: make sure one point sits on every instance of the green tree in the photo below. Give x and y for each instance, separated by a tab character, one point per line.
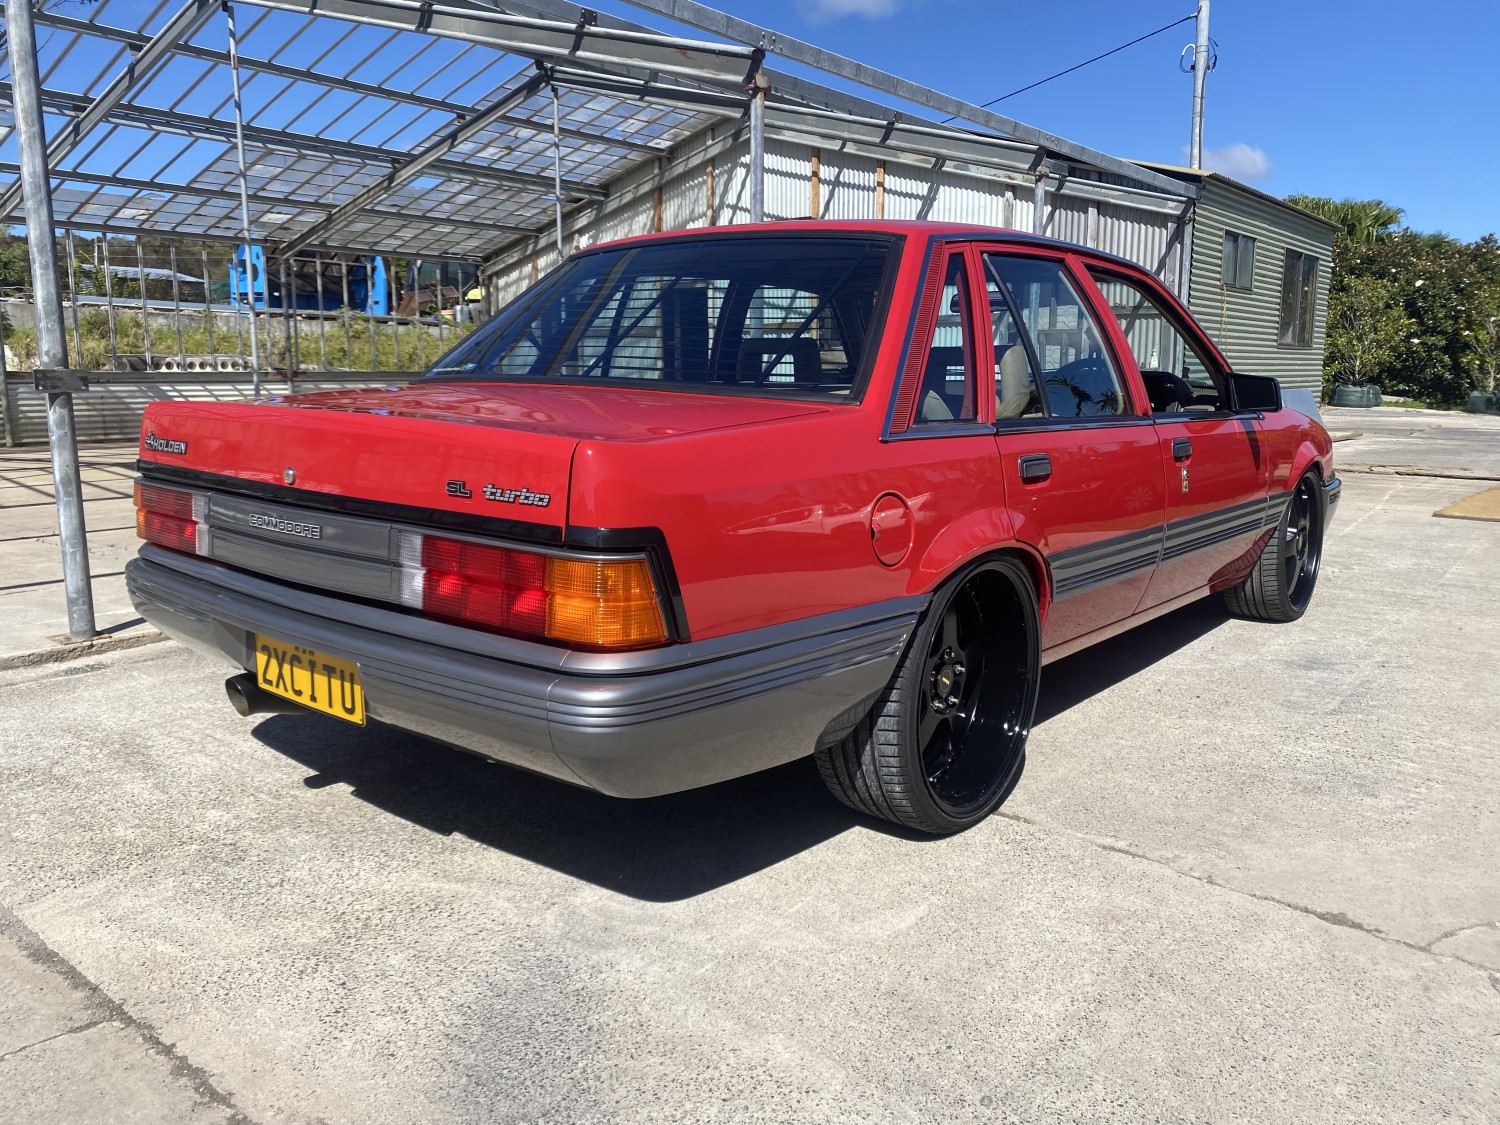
15	266
1367	328
1365	221
1483	358
1406	308
1444	286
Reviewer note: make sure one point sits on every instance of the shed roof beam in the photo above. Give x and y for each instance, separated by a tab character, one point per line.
892	140
678	97
333	82
694	14
414	167
159	192
301	144
833	128
571	39
182	24
156	188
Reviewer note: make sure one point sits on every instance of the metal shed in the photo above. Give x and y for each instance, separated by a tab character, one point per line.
491	135
1260	271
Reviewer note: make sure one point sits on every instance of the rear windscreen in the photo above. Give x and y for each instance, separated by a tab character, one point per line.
769	315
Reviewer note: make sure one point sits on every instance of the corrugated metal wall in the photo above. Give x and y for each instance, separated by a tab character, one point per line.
1246	325
708	184
111	408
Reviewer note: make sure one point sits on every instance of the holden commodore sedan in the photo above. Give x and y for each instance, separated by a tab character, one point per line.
698	504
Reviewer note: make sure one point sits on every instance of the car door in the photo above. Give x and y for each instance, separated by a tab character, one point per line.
1078	452
1214	459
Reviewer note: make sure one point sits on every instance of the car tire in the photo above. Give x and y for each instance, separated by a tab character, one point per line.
945	742
1280	587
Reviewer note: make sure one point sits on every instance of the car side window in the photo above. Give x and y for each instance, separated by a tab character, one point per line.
946	392
1018	393
1077	377
1177	376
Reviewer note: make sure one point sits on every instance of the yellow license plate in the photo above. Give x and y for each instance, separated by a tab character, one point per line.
314	679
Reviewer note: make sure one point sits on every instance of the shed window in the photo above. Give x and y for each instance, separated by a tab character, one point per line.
1299	292
1239	260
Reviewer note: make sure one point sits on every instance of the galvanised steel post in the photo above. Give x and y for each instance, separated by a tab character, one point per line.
1200	76
248	233
557	202
758	151
52	346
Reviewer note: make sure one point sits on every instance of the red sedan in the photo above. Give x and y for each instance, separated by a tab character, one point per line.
701	503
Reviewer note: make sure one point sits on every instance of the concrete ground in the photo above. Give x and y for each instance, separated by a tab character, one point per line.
1248	874
1422	442
33	608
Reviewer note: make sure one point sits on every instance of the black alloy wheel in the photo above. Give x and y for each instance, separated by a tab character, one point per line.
1280	587
1301	544
974	692
946	741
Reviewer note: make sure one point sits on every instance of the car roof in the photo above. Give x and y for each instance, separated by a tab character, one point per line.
921	229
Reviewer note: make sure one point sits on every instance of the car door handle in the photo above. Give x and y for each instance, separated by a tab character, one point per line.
1182	449
1036	466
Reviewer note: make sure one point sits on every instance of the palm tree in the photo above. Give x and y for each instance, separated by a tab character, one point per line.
1365	221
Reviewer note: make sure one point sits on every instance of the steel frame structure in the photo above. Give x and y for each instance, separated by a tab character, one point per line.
426	129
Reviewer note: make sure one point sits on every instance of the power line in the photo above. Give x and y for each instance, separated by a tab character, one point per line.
1089	62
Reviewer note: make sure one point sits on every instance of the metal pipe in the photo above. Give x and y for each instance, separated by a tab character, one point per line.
239	148
109	305
1200	77
557	207
177	301
73	298
140	279
1187	225
322	325
248	698
758	155
208	311
5	421
345	314
1039	202
52	346
370	316
289	355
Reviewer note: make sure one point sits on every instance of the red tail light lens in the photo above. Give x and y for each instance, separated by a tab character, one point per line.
170	517
484	585
586	603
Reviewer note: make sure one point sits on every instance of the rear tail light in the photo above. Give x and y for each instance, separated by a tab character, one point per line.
599	603
607	603
171	517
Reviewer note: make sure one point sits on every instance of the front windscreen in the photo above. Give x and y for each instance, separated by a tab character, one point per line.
766	315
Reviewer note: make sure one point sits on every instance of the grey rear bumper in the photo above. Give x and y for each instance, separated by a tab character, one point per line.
1331	490
630	725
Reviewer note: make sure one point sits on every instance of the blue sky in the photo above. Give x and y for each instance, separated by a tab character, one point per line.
1390	99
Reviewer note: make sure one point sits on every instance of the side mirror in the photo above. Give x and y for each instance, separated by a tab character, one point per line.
1258	394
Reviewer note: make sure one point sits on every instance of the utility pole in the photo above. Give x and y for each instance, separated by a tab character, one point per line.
52	346
1200	76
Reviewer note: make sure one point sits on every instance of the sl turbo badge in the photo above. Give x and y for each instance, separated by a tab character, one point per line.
502	495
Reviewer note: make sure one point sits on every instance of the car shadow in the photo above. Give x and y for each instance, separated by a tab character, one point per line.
1073	679
663	849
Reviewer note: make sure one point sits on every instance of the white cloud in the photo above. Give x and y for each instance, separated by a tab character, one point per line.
821	10
1238	162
